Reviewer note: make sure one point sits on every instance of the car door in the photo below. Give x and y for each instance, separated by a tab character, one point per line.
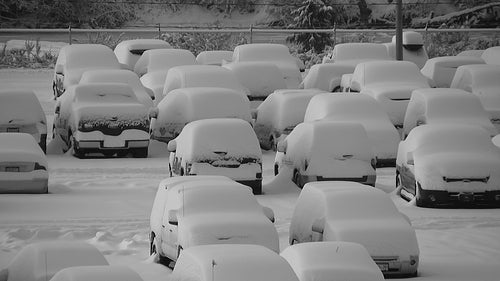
169	234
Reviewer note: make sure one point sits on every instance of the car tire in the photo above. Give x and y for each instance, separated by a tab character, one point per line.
140	152
273	144
266	145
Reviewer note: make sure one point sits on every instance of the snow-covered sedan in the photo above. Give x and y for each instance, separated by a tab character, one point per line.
105	118
363	109
78	58
128	52
21	112
333	261
210	211
230	263
445	106
449	164
40	261
279	113
440	70
218	146
215	57
108	273
352	212
327	151
185	105
390	83
23	165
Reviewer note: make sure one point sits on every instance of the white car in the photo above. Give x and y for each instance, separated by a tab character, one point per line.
78	58
492	55
230	263
449	164
440	70
209	211
260	78
42	260
105	118
144	95
185	105
21	112
219	146
275	53
23	165
352	212
327	76
279	113
217	57
362	109
327	151
128	52
413	48
333	261
446	106
189	76
86	273
354	53
481	80
390	83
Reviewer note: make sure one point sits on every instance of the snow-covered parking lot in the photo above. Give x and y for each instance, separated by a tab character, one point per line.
107	202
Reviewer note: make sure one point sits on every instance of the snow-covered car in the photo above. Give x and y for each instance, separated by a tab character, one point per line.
446	106
275	53
362	109
440	70
449	164
217	57
471	53
105	118
144	95
153	67
219	146
230	263
390	83
260	78
342	61
188	76
210	211
333	261
86	273
492	55
280	112
327	151
352	212
78	58
23	165
185	105
21	112
483	81
128	52
42	260
413	48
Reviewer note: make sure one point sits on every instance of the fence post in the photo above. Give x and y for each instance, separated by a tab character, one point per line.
251	33
69	29
159	30
334	33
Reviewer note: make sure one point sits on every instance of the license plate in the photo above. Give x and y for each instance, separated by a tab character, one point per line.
114	142
13	130
383	266
12	169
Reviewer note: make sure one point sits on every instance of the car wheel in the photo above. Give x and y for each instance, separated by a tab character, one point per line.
273	144
336	89
294	241
140	152
77	152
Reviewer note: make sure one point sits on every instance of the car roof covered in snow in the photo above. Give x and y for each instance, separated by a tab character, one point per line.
492	55
231	262
108	273
215	57
476	76
142	44
360	52
332	260
442	69
387	72
40	261
163	59
20	105
261	51
104	92
90	55
20	147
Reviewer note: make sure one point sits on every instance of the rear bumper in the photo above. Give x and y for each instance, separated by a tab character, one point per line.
462	199
98	145
396	268
38	185
368	180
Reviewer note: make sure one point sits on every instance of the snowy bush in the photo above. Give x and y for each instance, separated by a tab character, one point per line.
198	42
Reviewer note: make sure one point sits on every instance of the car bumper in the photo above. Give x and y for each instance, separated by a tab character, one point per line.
368	180
394	267
37	185
97	141
463	199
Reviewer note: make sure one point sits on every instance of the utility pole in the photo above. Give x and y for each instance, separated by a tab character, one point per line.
399	29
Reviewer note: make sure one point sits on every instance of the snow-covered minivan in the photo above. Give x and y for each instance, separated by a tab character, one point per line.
208	211
21	112
185	105
327	151
105	118
353	212
219	146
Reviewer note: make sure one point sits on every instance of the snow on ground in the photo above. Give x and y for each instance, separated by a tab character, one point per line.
107	202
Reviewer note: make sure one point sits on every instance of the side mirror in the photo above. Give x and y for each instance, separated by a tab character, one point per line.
172	217
409	158
59	69
172	146
269	213
319	225
281	147
153	113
